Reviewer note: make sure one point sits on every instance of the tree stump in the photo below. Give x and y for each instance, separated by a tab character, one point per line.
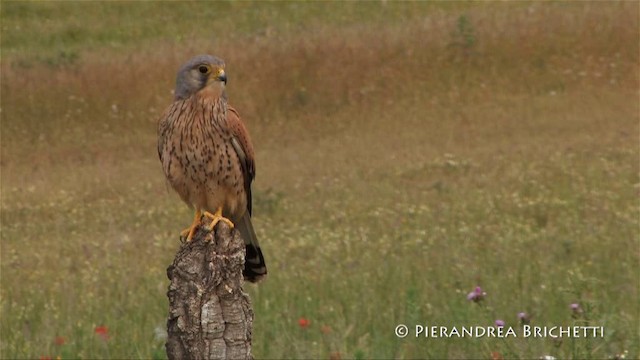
210	316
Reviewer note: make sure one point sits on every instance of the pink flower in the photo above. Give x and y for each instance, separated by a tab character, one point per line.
476	295
524	317
576	309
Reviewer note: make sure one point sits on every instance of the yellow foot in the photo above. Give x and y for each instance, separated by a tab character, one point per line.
217	217
188	232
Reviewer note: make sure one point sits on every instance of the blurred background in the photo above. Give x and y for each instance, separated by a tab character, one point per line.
407	152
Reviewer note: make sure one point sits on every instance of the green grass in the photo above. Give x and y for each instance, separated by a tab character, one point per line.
406	153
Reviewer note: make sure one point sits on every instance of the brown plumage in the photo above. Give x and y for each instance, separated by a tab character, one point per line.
207	156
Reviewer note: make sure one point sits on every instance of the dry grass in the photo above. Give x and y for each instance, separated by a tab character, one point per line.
403	157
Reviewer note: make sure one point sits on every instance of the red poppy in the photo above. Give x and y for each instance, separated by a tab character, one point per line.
102	331
304	323
59	340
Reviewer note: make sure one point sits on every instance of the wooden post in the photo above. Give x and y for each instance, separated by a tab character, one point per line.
210	316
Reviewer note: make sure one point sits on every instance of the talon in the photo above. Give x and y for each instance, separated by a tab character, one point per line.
216	218
188	232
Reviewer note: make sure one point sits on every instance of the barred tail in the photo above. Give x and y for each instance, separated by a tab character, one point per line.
254	266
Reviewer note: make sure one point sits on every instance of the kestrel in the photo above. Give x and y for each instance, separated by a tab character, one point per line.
207	156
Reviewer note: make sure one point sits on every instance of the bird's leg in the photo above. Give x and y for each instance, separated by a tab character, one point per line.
188	232
217	217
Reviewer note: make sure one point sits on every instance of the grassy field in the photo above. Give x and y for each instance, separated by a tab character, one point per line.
406	153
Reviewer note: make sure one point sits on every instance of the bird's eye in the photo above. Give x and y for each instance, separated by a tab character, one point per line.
203	69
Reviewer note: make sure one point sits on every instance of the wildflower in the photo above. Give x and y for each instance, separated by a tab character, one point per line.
577	310
326	329
59	340
496	355
499	323
304	323
46	357
547	357
335	356
524	318
102	331
476	295
621	356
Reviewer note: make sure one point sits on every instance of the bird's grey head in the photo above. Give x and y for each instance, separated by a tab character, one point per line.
201	72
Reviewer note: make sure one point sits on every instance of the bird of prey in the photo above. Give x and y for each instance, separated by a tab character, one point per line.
207	155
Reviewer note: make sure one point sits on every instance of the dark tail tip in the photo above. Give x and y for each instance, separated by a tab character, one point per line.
255	268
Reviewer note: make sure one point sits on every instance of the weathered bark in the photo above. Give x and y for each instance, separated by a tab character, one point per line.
210	316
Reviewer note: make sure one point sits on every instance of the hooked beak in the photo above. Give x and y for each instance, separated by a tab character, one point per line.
222	76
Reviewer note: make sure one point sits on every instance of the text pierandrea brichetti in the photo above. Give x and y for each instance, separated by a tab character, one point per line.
526	331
